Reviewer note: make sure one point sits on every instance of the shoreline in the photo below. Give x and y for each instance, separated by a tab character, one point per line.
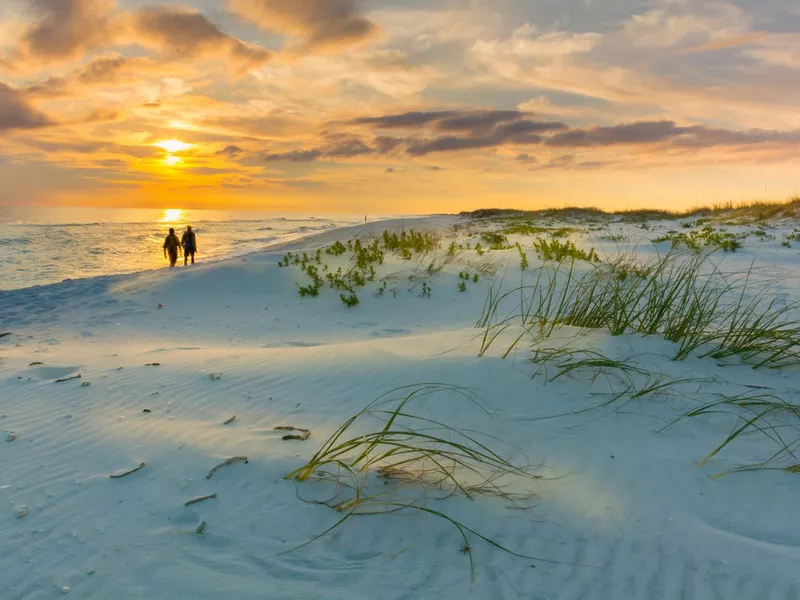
292	243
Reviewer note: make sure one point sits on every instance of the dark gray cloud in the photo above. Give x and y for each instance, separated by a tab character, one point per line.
526	158
449	144
405	120
230	151
386	144
524	127
17	113
65	28
477	120
644	132
319	23
481	129
475	129
186	34
654	132
348	149
297	156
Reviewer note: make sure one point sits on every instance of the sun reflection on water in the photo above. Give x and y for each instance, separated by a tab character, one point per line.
171	215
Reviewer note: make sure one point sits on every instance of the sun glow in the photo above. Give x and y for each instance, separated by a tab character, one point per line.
171	215
173	145
171	160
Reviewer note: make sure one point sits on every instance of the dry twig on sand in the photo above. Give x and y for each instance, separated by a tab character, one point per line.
229	421
78	376
200	499
226	463
201	528
303	436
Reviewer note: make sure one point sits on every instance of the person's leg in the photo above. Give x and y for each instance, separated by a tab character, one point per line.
185	258
173	258
192	257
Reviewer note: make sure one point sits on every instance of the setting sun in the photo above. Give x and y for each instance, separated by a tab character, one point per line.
173	145
171	160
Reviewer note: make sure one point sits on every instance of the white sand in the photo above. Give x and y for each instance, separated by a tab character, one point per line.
632	515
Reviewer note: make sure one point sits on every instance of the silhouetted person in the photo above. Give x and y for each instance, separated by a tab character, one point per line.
171	246
189	243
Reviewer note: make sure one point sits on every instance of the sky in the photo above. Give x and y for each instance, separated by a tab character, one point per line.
398	106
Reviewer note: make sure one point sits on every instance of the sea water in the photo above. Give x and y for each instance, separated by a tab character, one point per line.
42	245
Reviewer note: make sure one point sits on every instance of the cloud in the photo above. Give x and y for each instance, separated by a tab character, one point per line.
513	131
405	120
297	156
479	120
479	128
68	28
569	162
654	132
16	113
449	144
230	151
526	42
258	126
183	33
101	70
633	133
319	23
348	148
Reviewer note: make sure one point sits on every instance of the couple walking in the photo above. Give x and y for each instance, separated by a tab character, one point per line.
172	246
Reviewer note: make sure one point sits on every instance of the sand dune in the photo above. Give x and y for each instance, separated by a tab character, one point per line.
625	511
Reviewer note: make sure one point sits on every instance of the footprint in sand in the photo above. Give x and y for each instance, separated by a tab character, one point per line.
52	373
390	332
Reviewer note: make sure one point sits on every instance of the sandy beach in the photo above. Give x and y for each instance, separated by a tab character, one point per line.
119	396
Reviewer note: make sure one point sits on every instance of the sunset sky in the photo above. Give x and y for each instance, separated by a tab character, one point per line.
398	106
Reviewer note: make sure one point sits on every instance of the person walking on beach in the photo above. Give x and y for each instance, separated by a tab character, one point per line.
171	246
189	243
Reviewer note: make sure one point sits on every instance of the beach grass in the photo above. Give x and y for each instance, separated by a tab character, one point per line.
684	297
420	456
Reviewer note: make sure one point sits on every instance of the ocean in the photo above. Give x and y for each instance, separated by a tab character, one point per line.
43	245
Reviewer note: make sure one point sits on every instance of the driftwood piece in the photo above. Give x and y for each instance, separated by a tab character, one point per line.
229	421
230	461
126	473
201	528
78	376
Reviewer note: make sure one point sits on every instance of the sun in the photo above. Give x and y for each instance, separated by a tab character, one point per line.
173	145
171	160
